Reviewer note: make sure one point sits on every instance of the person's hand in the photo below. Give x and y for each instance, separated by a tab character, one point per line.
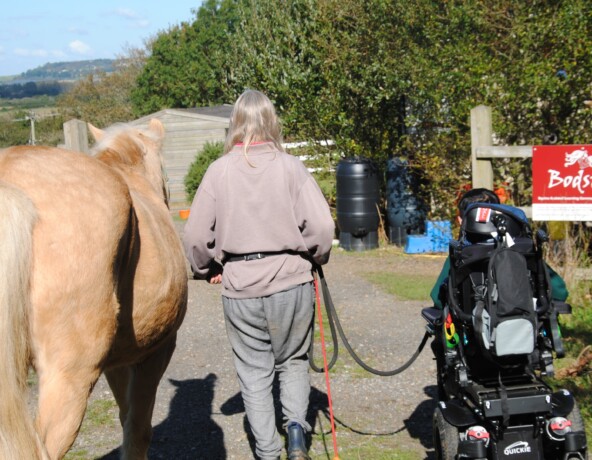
215	273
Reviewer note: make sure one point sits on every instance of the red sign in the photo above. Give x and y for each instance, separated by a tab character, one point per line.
562	182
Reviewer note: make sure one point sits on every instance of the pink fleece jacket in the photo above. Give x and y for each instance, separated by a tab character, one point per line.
272	204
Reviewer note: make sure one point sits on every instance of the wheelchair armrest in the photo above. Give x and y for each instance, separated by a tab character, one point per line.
434	318
432	315
562	308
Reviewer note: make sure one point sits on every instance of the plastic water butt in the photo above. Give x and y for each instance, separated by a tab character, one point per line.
358	194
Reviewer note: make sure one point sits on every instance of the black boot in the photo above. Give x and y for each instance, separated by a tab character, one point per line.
296	444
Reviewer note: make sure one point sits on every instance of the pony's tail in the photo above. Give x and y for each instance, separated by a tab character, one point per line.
18	438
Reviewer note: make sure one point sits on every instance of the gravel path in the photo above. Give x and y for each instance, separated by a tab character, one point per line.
199	412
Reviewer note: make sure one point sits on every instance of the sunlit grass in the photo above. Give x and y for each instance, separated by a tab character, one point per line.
371	447
402	285
100	413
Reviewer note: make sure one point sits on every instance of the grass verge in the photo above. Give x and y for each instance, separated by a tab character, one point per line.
404	286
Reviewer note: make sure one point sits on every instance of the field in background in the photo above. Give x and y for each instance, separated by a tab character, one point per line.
15	121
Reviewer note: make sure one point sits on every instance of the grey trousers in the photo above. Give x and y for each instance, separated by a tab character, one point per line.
268	335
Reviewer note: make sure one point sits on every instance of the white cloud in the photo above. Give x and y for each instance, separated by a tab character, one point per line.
79	47
132	17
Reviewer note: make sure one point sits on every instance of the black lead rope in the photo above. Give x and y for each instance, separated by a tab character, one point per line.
334	324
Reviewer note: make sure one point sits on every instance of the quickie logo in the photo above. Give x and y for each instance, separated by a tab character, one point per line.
520	447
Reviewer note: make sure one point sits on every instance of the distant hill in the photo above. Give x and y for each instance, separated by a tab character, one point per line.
50	79
61	71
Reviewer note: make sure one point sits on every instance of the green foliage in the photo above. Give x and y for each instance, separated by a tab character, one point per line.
32	89
577	335
281	61
210	152
16	129
188	62
103	99
45	102
384	78
321	160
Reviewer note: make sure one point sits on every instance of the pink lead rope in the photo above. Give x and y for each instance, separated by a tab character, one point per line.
324	350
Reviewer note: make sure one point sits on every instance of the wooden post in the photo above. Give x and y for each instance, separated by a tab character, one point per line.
481	129
76	136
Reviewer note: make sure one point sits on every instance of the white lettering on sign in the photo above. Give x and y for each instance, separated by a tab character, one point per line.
579	182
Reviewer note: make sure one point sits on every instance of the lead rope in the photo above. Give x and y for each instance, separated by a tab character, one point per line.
335	323
326	366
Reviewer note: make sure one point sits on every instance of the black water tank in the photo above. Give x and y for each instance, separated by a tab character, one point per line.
405	211
358	194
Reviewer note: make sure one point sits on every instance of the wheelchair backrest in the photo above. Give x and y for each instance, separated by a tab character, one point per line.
483	222
494	283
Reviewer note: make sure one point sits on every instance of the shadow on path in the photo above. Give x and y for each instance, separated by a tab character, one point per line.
419	423
318	403
189	431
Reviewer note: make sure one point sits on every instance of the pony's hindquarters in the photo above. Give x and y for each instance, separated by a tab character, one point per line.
18	439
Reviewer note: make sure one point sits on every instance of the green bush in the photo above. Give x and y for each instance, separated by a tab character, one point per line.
211	151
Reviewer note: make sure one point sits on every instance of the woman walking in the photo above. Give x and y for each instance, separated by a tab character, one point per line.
257	225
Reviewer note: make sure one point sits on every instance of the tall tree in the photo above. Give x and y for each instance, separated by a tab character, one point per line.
273	50
188	62
386	77
105	98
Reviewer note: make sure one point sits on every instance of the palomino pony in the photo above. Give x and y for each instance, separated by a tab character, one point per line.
92	279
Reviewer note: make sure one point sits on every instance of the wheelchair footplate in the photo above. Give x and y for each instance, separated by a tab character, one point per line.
532	398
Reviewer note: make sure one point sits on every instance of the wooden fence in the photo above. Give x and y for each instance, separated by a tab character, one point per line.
483	151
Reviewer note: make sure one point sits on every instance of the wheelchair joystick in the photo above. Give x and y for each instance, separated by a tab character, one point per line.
541	237
500	223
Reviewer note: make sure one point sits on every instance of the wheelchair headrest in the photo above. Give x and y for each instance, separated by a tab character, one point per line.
480	220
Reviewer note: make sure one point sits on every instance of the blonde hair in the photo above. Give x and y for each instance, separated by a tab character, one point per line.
253	119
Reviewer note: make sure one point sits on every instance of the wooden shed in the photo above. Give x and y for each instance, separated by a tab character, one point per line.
186	132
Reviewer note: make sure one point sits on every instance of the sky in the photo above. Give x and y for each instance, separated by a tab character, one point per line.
35	32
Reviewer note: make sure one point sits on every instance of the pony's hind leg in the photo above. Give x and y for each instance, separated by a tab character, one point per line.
62	403
119	380
145	376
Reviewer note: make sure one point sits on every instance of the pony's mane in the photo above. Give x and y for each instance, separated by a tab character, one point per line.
120	145
126	147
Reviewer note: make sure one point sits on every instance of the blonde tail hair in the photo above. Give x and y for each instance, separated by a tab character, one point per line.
18	438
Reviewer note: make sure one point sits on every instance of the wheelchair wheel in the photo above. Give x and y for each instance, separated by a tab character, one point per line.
445	437
577	423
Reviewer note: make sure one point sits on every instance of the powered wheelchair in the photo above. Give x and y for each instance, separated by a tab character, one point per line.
494	343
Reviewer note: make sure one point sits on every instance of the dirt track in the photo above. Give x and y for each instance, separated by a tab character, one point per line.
199	412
